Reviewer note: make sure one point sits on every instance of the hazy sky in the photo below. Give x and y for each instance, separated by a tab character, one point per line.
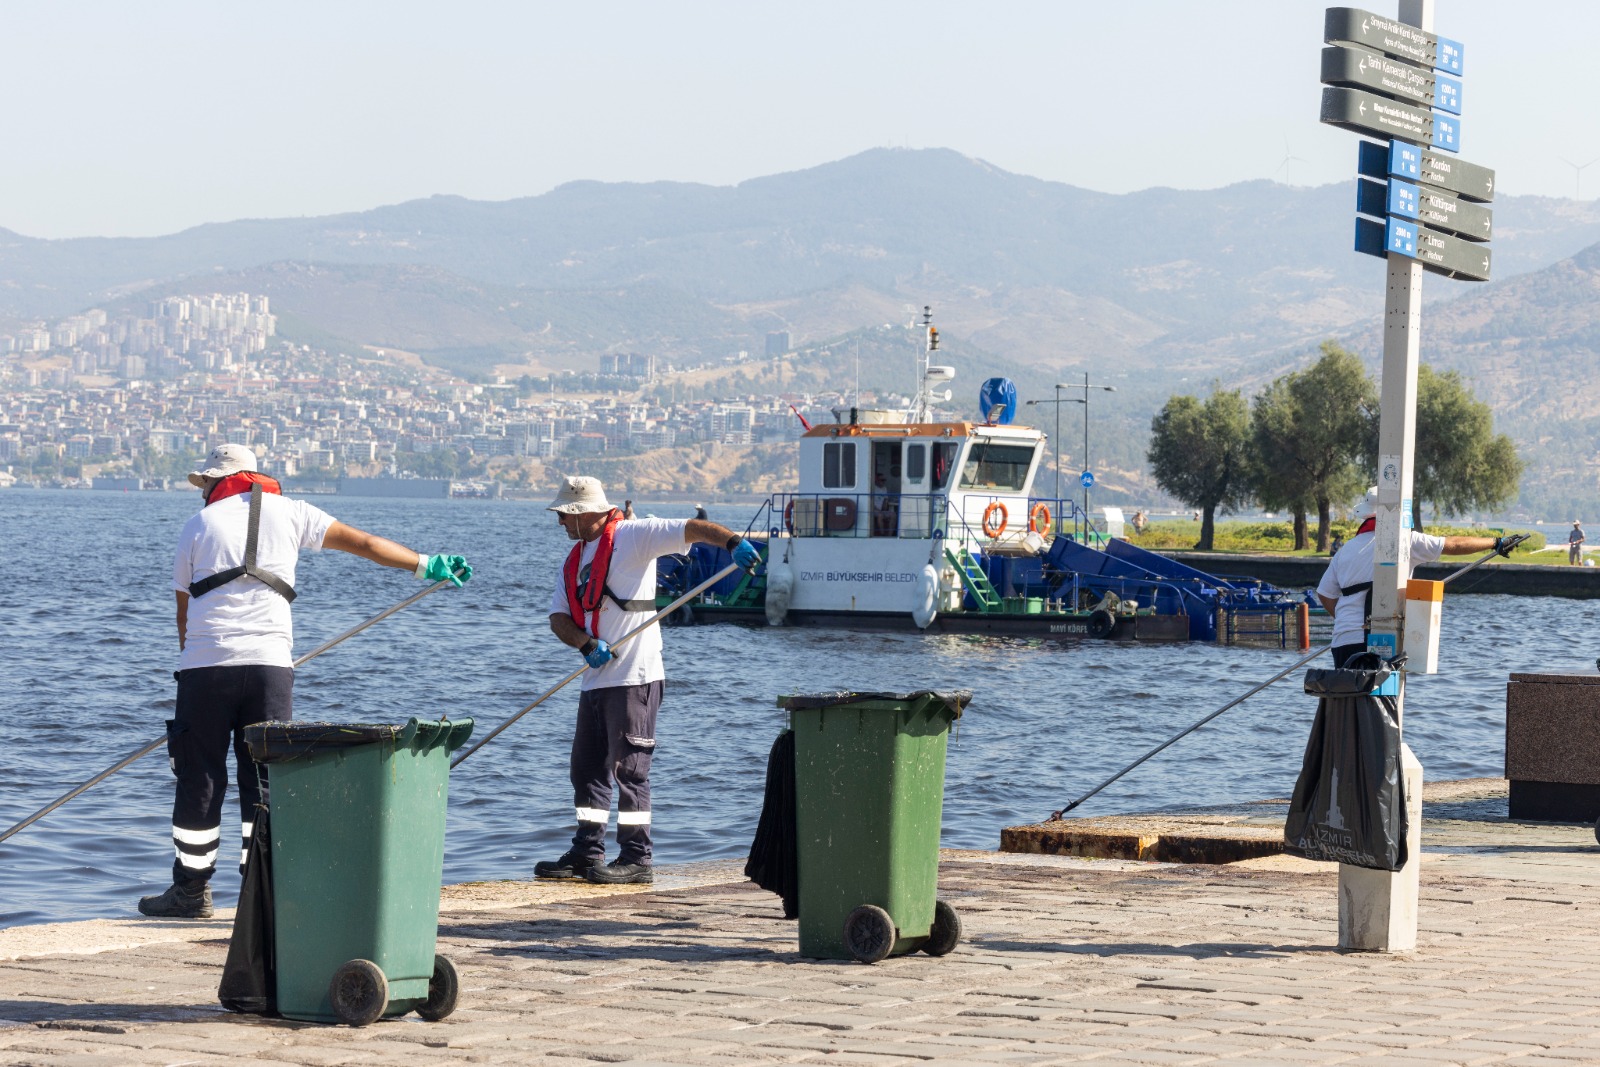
123	118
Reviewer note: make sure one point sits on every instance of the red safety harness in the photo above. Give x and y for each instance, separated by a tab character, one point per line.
583	604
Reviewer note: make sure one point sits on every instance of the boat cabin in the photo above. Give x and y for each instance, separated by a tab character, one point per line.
876	477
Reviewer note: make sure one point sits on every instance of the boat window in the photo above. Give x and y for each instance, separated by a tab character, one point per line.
916	462
944	458
839	465
996	467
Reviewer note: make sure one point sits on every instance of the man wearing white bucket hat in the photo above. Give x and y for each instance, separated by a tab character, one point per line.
608	588
234	581
1346	587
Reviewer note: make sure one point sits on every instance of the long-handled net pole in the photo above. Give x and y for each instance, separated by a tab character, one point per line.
1511	542
629	636
139	754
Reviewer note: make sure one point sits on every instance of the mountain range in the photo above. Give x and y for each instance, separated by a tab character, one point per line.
1163	289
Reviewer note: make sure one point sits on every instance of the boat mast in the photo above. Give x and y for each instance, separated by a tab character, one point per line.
922	409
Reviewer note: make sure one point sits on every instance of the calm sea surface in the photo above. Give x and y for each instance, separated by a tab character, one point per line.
88	645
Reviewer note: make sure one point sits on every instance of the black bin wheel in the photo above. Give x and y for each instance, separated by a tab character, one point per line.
869	933
946	931
443	989
1101	623
359	992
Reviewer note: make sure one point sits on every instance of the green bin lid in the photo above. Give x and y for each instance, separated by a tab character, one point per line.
271	742
953	699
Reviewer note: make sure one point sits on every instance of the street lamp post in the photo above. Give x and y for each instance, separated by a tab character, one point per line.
1086	387
1057	439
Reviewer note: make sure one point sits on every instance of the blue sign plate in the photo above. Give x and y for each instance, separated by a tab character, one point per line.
1087	478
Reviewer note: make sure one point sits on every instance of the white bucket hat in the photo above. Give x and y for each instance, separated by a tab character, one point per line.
1369	504
223	461
580	496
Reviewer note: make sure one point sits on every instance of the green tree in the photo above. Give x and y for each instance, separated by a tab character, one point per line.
1461	463
1275	473
1332	408
1199	453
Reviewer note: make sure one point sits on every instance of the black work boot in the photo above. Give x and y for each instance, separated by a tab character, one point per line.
570	866
619	873
179	902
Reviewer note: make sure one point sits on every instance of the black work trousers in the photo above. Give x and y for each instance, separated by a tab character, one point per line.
215	704
614	740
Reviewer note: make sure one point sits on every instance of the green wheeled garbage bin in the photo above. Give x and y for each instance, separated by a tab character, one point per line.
869	798
357	844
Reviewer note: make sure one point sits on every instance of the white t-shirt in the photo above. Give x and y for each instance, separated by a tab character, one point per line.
1352	565
637	544
243	622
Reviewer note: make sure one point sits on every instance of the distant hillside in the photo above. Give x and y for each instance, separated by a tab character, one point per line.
1053	275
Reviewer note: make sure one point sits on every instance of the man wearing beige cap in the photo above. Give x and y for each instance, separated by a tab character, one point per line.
607	589
234	581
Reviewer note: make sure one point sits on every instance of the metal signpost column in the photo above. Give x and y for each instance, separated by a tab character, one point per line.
1394	79
1087	477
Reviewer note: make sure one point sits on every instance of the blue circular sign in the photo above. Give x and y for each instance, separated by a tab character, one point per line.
1087	478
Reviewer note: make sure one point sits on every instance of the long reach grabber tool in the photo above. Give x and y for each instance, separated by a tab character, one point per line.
158	742
629	636
1504	550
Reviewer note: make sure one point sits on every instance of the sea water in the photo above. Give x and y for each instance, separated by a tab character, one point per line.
86	619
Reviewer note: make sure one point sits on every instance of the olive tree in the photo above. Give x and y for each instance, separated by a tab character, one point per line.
1276	478
1199	454
1461	463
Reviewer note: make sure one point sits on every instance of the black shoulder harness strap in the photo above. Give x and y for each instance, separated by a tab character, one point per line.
267	578
630	605
1366	612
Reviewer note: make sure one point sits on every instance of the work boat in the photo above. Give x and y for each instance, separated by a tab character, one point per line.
902	521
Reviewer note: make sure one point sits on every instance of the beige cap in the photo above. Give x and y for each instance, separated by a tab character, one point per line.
580	496
223	461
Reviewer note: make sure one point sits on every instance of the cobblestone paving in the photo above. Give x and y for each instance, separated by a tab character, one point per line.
1064	961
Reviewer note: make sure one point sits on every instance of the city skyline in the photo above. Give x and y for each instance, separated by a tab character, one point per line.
323	110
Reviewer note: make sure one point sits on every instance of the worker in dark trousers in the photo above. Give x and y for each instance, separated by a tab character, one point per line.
607	589
1345	591
234	580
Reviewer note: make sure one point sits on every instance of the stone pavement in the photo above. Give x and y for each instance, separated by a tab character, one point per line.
1065	960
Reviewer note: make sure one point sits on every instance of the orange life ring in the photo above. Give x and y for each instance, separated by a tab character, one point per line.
788	517
990	530
1039	520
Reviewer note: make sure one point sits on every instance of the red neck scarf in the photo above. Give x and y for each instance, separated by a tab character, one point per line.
1368	524
236	484
584	605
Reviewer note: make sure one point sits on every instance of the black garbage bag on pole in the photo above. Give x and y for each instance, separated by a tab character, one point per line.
1349	803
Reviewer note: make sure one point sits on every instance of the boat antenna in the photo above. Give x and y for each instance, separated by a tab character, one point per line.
922	410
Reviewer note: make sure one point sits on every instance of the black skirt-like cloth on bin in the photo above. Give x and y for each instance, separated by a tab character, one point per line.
774	862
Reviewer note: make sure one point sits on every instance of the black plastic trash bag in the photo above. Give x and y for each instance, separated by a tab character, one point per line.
1349	804
774	862
250	975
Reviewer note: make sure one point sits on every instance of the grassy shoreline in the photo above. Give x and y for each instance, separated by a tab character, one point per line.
1277	538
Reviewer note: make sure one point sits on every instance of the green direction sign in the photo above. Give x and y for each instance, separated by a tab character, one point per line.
1392	37
1444	254
1376	116
1357	68
1467	180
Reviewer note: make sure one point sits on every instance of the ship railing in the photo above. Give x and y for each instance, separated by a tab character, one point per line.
910	516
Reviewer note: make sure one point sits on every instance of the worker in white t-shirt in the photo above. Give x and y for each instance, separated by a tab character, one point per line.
607	589
1346	587
234	581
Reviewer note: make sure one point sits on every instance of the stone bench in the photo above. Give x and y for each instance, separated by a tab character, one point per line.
1553	746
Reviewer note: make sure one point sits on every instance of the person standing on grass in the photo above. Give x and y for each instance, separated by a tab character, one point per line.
1575	543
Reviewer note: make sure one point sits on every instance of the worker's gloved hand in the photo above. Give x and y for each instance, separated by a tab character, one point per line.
596	652
440	568
1504	545
745	554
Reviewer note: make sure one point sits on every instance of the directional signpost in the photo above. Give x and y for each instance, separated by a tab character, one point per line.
1396	81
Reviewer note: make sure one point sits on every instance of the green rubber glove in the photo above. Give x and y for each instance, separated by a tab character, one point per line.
440	568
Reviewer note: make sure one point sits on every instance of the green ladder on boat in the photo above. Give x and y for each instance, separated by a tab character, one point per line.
751	592
972	576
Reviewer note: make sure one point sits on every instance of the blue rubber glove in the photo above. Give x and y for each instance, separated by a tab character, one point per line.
596	652
745	554
439	568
